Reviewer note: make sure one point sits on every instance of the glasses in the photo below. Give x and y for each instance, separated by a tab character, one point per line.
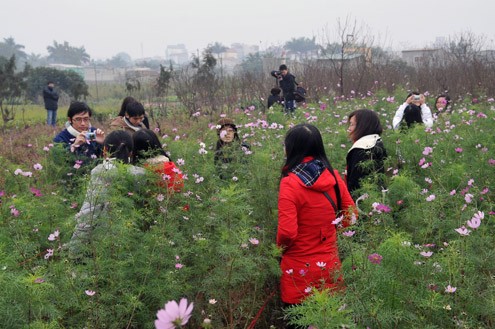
79	120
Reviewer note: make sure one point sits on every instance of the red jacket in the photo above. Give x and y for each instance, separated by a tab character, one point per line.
306	233
170	176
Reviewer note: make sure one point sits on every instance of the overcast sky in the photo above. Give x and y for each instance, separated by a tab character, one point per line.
144	28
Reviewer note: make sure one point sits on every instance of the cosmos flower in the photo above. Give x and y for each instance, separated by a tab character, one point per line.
449	289
375	258
174	315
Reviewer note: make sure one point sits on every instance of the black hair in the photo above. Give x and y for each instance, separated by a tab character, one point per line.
146	145
78	107
301	141
134	109
118	144
412	114
282	67
127	100
275	91
305	140
367	123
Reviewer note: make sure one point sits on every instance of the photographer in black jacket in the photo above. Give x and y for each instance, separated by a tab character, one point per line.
287	82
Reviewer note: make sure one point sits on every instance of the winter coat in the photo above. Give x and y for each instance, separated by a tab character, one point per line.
50	97
123	123
90	149
307	235
288	86
170	176
366	148
95	205
401	113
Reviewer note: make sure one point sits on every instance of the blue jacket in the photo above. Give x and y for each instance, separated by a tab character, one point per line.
90	149
50	97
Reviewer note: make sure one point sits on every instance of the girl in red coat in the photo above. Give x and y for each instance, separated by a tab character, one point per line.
311	193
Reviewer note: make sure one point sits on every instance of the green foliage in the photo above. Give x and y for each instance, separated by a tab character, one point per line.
214	243
68	81
64	53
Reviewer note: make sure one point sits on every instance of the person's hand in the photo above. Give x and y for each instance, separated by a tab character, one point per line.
78	141
410	99
100	136
421	99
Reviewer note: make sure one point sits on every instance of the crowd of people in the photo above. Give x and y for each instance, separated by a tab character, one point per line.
314	201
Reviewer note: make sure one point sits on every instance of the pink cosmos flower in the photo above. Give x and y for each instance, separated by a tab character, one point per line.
160	197
49	253
179	266
453	192
321	264
36	192
37	166
254	241
348	233
375	258
53	236
449	289
431	198
458	150
474	223
468	197
174	315
428	150
426	254
90	292
27	174
46	149
181	162
308	290
491	162
14	212
462	230
337	220
39	280
289	271
422	161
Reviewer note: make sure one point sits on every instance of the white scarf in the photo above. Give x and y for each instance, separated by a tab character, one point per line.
73	130
130	125
365	142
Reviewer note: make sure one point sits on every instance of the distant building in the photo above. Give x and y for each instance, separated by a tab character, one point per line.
177	53
426	56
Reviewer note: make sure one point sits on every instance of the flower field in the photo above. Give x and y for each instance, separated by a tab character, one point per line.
421	256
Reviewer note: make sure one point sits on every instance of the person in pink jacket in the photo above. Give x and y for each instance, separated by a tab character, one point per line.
310	196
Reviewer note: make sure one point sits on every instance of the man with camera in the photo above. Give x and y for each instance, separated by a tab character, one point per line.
286	82
79	136
414	110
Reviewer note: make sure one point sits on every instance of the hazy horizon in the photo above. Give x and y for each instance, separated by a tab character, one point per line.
108	27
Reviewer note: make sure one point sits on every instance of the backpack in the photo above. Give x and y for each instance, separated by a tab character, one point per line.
300	94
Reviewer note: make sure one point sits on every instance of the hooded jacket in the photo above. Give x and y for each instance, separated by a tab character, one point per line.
367	148
306	233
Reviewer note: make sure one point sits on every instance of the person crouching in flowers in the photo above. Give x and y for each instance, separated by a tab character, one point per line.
367	154
117	150
149	150
230	151
306	217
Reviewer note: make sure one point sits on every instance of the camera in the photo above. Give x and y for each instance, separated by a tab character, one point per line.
417	97
276	74
90	136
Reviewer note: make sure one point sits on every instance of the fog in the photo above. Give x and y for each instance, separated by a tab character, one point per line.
144	28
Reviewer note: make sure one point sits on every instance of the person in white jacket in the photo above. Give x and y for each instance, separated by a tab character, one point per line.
414	110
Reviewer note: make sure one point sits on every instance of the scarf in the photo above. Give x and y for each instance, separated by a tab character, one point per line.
309	172
130	125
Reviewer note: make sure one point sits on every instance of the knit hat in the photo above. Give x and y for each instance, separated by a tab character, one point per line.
226	122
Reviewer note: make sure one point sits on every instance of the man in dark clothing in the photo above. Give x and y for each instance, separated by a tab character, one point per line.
287	83
274	98
50	96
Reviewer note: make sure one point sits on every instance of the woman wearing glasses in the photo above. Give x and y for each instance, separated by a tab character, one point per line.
79	136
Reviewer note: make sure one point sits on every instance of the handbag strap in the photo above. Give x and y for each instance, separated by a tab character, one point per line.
332	202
